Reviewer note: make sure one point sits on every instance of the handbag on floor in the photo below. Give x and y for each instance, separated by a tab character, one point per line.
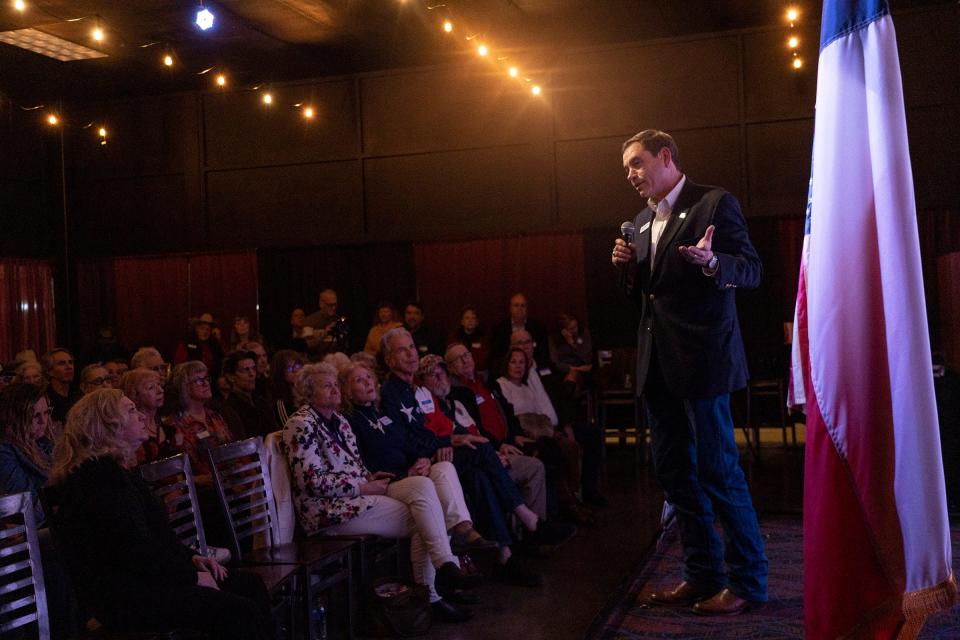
535	425
396	608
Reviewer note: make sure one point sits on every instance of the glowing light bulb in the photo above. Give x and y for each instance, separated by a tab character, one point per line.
535	90
221	80
514	72
52	119
19	5
797	63
168	60
792	14
308	113
102	132
482	50
267	98
97	34
447	26
793	42
204	19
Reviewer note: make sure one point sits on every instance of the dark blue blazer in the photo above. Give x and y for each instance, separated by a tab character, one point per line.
687	318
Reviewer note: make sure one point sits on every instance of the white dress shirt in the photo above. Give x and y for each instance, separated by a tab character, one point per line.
662	211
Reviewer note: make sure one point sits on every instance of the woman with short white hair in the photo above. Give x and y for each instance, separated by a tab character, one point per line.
333	491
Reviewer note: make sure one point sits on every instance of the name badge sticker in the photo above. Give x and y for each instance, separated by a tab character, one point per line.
683	214
544	372
475	345
385	421
203	434
644	227
480	400
426	405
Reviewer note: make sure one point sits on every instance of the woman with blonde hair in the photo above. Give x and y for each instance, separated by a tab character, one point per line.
130	569
145	388
334	492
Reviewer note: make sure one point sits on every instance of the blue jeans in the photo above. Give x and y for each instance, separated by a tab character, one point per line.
697	464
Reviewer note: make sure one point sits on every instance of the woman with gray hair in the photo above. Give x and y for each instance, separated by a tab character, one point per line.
195	426
334	492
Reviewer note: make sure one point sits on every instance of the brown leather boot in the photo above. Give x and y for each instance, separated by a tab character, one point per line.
684	594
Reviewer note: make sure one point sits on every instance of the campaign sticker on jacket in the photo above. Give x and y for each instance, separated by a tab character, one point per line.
385	421
425	399
422	348
479	399
644	227
545	371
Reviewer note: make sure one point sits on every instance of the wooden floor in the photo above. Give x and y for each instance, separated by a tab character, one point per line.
589	569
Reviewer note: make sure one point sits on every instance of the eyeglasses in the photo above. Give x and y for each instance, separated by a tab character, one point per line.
97	382
294	366
249	369
200	382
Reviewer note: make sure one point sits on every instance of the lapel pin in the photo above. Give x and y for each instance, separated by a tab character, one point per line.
683	214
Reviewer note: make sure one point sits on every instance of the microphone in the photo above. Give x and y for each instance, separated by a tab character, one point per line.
627	231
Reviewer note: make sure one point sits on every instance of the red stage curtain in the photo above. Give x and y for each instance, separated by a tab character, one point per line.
151	299
27	318
485	273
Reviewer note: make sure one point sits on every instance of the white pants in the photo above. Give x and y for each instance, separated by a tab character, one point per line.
412	510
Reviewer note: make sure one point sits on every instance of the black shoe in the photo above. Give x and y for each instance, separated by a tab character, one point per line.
459	596
446	612
550	533
515	573
460	545
450	578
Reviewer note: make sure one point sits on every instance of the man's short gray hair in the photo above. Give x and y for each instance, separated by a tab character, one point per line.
388	336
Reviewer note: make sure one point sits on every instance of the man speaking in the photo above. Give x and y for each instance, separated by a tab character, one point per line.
691	251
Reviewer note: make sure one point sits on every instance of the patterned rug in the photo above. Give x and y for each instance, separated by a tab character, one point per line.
780	618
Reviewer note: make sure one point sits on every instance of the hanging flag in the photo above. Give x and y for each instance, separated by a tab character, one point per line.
876	536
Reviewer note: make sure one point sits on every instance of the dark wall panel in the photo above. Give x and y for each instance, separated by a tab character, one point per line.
934	135
240	131
448	109
460	193
778	155
592	190
303	204
26	230
929	55
772	88
669	86
134	216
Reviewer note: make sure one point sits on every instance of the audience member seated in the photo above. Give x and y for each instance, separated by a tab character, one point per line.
525	471
517	320
26	442
59	370
470	334
243	332
262	388
386	320
115	370
493	494
283	377
337	360
296	339
523	382
425	337
195	426
150	358
330	333
30	373
145	388
335	493
384	447
247	413
127	563
93	377
571	351
201	344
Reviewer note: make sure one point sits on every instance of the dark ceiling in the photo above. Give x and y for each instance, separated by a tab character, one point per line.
257	41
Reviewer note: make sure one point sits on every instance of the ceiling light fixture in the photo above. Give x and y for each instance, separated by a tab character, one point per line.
97	34
308	113
205	18
19	5
168	60
221	80
514	72
447	26
48	45
52	120
535	90
267	98
482	50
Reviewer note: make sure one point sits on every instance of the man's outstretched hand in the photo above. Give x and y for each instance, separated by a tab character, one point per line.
701	254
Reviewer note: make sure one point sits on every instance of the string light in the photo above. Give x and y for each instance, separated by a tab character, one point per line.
53	120
204	19
792	14
482	50
267	98
535	89
19	5
447	26
102	132
514	72
97	34
221	80
797	63
168	60
308	113
793	42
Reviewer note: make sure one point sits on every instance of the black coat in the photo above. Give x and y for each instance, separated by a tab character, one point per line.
690	319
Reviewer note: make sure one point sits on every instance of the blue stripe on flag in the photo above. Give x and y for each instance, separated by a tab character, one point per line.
840	17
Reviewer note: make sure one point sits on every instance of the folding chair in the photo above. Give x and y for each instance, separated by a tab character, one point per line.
23	599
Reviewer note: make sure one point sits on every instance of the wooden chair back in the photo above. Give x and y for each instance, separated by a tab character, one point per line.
171	481
23	597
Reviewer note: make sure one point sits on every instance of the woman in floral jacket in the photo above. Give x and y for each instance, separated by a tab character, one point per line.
334	492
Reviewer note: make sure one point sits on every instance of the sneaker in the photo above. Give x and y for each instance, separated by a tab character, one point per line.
550	533
514	572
